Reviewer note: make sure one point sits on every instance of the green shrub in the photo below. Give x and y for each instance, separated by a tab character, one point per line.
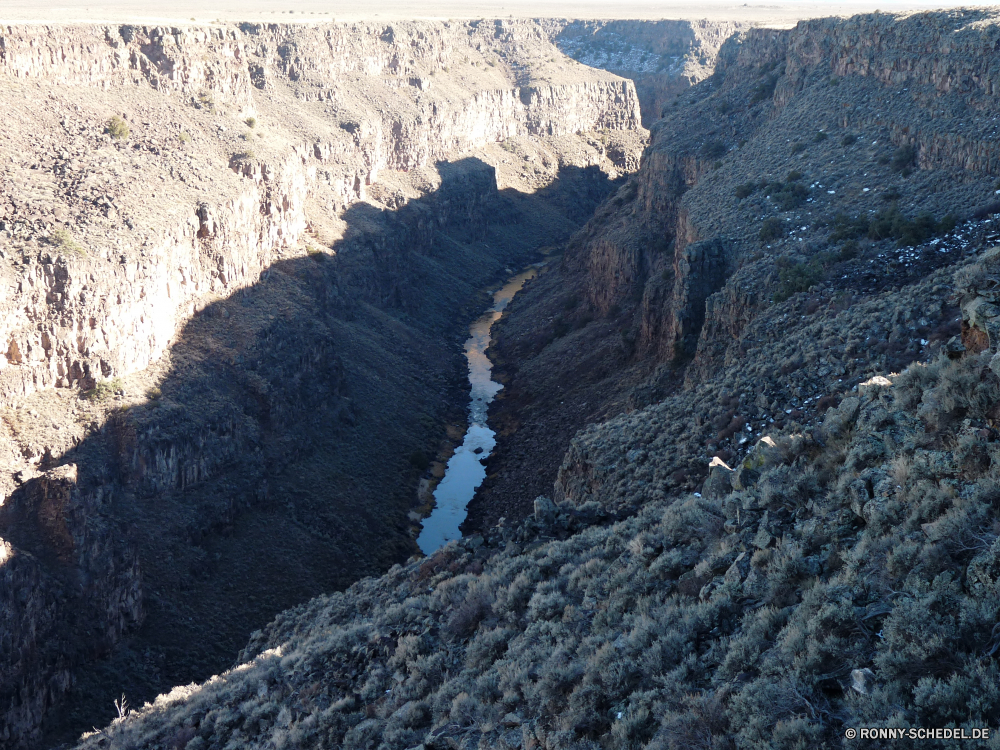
903	159
795	277
848	140
62	239
847	228
791	195
117	128
418	460
820	137
890	223
251	122
714	150
745	189
104	390
771	229
798	147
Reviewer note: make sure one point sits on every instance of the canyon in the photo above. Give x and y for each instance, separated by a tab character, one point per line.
232	336
744	486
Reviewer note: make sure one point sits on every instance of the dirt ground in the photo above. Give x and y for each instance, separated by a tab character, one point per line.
767	13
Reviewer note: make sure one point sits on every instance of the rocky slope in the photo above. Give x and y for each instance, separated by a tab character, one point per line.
801	147
790	527
238	262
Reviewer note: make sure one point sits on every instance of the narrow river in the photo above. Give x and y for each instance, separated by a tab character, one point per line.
465	471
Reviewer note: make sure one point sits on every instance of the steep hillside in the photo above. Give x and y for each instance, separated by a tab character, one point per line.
791	526
795	165
238	262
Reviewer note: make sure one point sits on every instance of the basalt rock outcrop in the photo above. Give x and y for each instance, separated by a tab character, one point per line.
71	589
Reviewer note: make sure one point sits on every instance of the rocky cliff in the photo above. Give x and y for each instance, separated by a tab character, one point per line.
141	300
224	250
782	523
662	58
783	164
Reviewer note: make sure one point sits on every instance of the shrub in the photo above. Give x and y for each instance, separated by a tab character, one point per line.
847	228
771	229
891	223
184	137
848	140
820	137
418	460
795	277
798	147
117	128
764	89
745	189
104	390
714	150
903	159
251	122
62	239
792	195
204	100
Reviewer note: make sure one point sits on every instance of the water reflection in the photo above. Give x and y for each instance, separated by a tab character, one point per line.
465	471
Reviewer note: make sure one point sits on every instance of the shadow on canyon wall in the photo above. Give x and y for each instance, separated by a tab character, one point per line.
274	462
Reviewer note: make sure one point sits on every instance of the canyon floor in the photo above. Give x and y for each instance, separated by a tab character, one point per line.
745	492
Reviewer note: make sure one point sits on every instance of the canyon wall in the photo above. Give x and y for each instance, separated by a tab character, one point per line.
204	317
116	317
751	356
662	58
796	132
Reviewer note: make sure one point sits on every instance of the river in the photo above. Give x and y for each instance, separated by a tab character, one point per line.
466	470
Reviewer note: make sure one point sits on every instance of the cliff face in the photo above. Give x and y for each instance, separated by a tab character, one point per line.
780	162
782	521
117	316
662	58
206	314
928	62
71	589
